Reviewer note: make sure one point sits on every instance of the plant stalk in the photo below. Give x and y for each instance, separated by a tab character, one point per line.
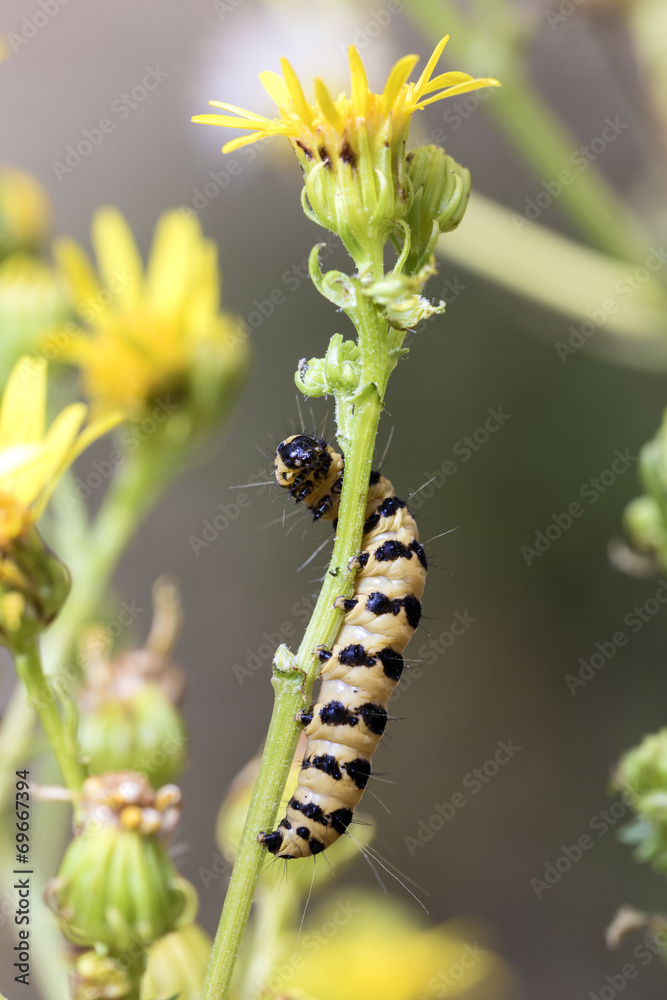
359	414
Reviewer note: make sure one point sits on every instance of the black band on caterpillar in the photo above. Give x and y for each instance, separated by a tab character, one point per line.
365	664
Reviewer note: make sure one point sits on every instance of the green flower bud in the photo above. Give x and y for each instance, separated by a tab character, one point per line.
116	886
142	732
177	964
644	524
441	189
644	767
128	716
34	584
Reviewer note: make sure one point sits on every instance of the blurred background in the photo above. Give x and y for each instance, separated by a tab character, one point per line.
513	430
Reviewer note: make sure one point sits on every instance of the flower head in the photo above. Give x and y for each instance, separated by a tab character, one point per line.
153	334
116	885
33	582
352	149
32	458
380	952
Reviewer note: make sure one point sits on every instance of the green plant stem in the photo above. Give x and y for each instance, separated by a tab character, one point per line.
358	414
29	669
599	215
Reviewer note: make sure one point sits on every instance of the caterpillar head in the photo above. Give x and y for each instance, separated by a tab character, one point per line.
312	473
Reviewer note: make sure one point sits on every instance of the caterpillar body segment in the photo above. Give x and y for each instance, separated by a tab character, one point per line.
365	663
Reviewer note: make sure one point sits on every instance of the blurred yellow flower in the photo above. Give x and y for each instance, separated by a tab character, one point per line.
177	964
365	948
317	130
32	458
26	215
154	334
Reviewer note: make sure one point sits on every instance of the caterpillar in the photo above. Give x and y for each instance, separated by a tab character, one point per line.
365	664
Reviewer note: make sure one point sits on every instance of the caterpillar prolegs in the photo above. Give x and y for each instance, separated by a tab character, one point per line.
365	664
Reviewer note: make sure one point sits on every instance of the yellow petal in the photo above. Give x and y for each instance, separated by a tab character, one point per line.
78	270
239	111
67	430
461	88
244	140
358	80
227	120
327	105
446	80
23	410
395	81
430	66
14	460
96	429
275	87
118	259
301	105
170	262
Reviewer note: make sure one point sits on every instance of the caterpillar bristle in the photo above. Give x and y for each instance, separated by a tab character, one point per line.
365	663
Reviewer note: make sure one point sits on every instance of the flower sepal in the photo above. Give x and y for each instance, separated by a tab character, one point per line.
337	287
398	298
34	583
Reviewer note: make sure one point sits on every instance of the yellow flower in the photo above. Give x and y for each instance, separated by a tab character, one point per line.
365	948
153	334
322	127
32	458
26	214
177	964
351	149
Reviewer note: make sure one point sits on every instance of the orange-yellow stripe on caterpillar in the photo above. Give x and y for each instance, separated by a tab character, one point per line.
365	664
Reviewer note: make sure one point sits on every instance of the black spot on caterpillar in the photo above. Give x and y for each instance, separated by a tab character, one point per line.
365	664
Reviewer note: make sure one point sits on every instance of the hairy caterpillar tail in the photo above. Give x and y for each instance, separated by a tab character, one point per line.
365	664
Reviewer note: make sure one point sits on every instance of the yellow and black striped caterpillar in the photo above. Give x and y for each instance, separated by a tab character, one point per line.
365	664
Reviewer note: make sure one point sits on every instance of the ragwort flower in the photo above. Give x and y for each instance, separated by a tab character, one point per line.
153	336
351	149
33	583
